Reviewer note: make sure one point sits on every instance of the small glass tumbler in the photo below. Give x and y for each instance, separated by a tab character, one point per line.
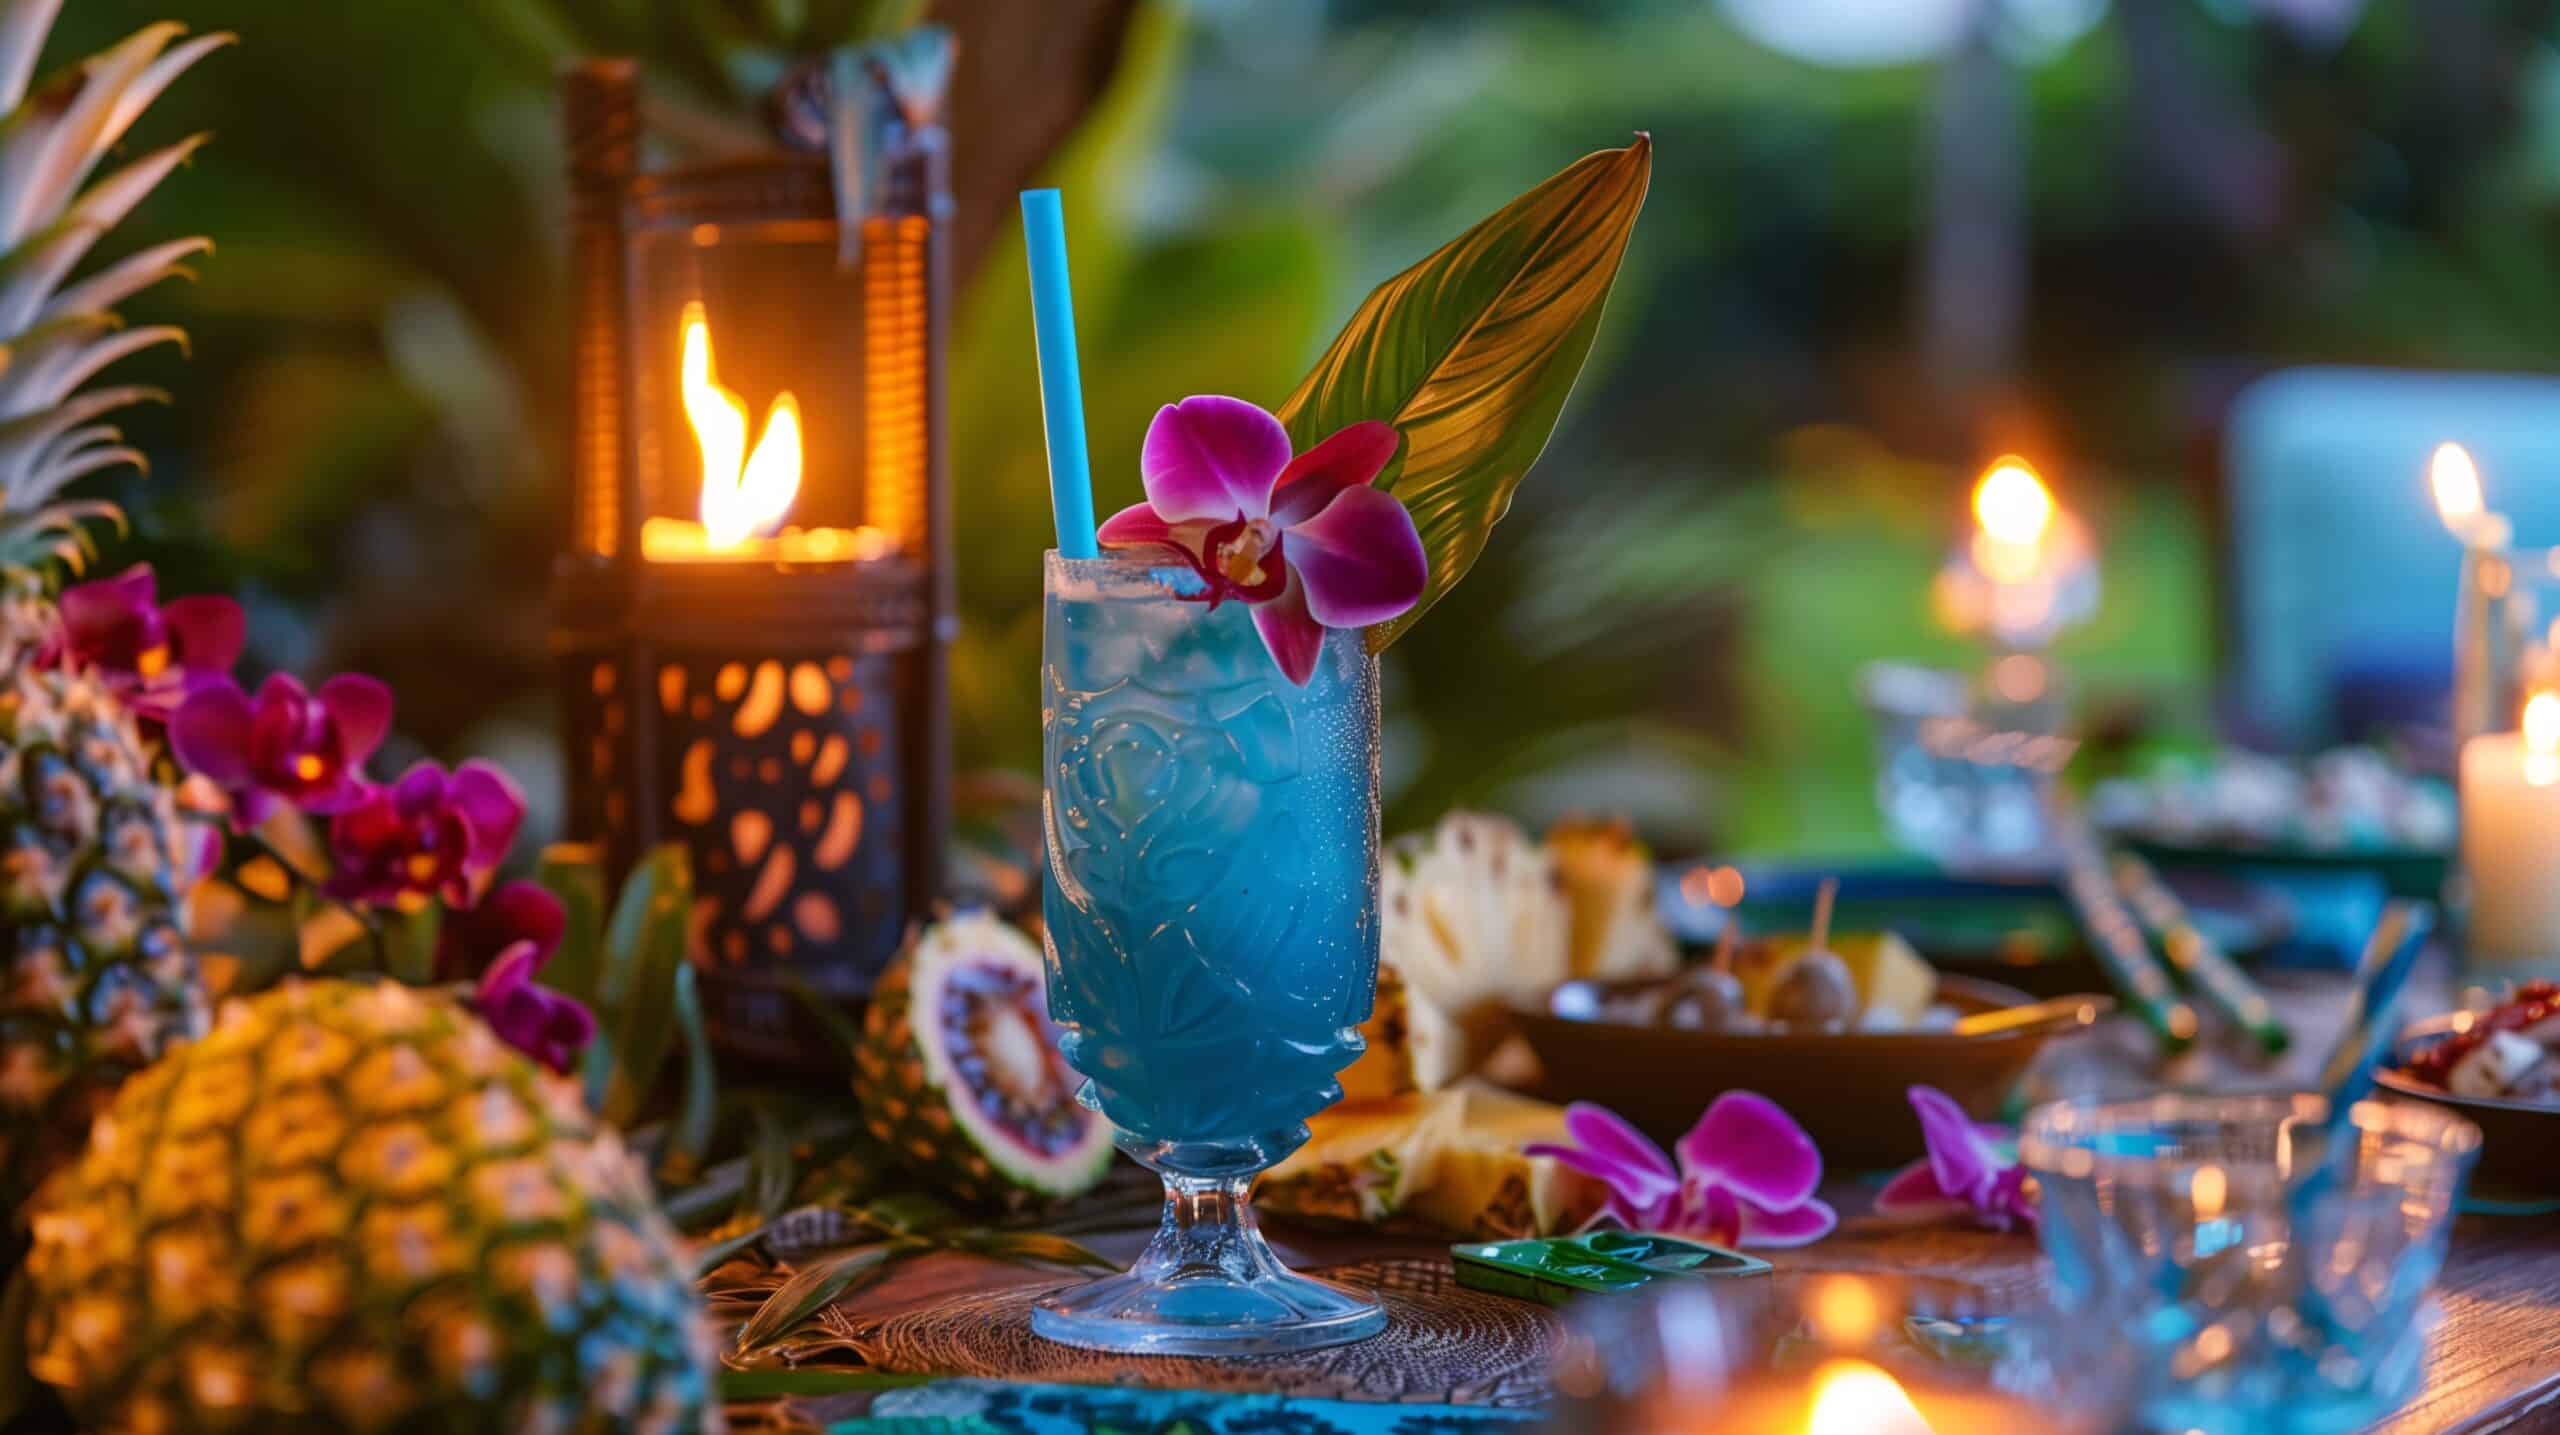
1965	770
2250	1307
1876	1355
1211	925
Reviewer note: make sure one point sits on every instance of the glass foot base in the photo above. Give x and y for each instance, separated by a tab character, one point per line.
1208	1284
1207	1314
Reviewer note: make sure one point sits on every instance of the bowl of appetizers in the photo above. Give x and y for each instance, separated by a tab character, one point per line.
1833	1027
2350	806
2499	1066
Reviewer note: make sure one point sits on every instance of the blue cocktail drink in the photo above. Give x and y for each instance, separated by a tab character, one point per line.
1211	914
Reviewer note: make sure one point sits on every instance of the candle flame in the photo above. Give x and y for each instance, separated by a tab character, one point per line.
744	494
2456	481
2012	503
2542	739
1851	1397
2015	512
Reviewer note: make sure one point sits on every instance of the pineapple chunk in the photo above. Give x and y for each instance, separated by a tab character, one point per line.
1472	922
1895	985
1608	885
1445	1163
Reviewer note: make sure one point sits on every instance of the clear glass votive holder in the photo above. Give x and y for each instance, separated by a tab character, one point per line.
1965	767
2173	1219
1834	1351
2506	629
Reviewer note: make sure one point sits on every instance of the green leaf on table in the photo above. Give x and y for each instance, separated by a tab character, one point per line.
574	873
699	1118
1031	1248
718	1253
815	1286
772	1168
1471	352
831	1018
906	1213
644	947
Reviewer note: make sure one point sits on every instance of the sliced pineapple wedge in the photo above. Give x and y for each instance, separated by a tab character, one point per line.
1445	1163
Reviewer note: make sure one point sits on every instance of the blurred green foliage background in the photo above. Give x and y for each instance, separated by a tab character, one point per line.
2066	227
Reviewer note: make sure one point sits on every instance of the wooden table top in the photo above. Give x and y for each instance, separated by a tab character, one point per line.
2494	1365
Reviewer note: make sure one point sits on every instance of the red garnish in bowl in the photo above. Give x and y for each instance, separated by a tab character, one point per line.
2531	1005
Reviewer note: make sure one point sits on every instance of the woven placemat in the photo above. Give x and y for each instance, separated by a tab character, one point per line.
1443	1343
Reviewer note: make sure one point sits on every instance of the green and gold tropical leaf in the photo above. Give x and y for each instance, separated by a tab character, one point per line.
1471	353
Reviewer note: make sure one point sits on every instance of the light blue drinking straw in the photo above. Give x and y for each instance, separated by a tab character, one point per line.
1053	319
2322	1154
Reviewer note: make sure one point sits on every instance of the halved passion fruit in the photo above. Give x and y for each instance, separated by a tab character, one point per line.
959	1072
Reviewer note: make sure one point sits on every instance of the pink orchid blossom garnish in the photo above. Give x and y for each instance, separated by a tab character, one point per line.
551	1027
149	653
287	744
1308	540
1966	1175
1746	1175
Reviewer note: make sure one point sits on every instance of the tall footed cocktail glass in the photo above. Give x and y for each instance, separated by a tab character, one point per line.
1212	932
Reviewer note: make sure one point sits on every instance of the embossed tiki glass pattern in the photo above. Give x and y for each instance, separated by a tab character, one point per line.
1212	934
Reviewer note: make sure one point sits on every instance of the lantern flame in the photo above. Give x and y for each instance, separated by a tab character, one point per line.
1851	1397
744	494
2542	739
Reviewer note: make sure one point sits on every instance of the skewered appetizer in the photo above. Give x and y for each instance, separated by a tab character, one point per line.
1859	981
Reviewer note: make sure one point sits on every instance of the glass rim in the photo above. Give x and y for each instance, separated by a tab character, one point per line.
2046	1143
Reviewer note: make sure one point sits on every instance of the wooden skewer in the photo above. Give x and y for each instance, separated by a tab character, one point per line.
1727	941
2071	1011
1822	899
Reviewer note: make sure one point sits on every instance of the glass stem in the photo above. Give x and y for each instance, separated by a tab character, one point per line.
1208	1232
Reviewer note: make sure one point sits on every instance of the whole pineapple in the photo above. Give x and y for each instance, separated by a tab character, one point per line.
93	980
351	1207
97	982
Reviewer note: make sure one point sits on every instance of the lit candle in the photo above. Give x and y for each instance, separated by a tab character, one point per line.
2511	839
1849	1396
2025	570
2459	502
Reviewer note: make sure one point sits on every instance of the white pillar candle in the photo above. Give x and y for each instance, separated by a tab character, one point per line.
2511	841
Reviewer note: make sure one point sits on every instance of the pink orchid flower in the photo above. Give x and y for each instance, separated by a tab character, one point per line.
471	940
1306	540
150	653
551	1027
1746	1175
432	833
287	744
1965	1175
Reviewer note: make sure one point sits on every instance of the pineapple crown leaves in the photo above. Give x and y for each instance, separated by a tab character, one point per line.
55	338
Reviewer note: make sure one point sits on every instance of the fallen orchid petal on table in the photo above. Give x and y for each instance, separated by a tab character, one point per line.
1966	1175
1745	1177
